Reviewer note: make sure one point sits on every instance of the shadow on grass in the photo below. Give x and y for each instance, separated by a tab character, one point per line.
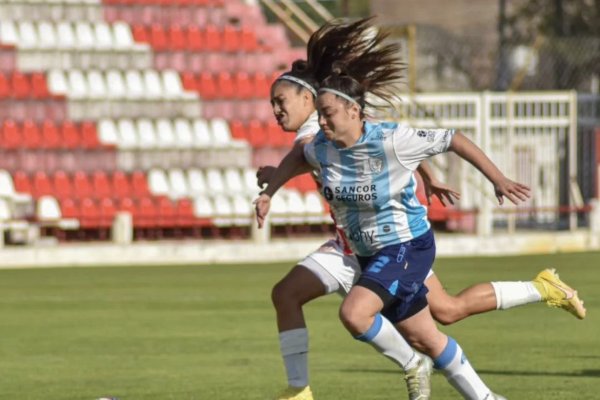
584	373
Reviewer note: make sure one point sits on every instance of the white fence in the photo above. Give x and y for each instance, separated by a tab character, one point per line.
532	138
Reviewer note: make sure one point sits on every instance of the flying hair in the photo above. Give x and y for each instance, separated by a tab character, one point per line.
356	58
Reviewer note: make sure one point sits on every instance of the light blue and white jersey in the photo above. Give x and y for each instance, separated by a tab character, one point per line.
371	186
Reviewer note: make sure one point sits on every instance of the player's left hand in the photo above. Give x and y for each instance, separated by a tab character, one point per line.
514	191
261	208
441	191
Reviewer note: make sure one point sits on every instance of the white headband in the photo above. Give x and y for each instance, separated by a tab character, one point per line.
341	94
299	82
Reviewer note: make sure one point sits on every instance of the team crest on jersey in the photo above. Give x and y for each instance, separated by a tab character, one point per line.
376	165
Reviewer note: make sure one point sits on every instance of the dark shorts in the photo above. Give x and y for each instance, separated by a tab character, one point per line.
397	274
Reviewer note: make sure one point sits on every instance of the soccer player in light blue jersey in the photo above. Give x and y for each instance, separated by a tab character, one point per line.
367	177
330	268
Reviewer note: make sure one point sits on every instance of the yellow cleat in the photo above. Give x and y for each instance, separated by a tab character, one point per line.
293	393
556	293
418	380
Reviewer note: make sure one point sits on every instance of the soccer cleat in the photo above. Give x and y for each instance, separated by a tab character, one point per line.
418	380
556	293
294	393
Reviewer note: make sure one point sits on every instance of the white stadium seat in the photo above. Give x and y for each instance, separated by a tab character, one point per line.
128	138
84	34
157	182
146	134
47	35
196	182
57	82
134	84
117	88
221	134
65	35
78	87
242	210
96	85
8	33
214	179
315	210
103	36
122	35
233	181
183	133
224	214
202	136
108	132
296	207
28	37
165	133
203	207
178	187
152	84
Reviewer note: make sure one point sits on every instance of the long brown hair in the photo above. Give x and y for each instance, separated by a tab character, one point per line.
356	58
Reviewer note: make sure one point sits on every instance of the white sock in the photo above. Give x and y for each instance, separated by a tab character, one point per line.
294	349
384	337
458	371
512	294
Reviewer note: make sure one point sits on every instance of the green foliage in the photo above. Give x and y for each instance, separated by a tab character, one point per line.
208	332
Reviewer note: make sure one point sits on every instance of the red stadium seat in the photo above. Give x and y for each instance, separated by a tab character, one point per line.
176	38
166	213
194	38
101	185
257	134
50	136
107	212
42	185
262	86
32	137
248	39
21	87
212	38
146	213
140	34
63	188
277	137
207	86
126	204
225	87
69	209
231	38
158	38
139	184
120	185
22	182
243	86
238	130
188	80
39	86
4	86
70	135
12	136
82	185
89	135
89	213
185	214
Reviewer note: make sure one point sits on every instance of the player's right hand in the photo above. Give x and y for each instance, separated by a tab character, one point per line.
264	174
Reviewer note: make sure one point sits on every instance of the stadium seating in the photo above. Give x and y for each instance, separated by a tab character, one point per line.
156	108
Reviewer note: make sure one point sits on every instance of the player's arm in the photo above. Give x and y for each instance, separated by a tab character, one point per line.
503	186
264	173
433	187
294	161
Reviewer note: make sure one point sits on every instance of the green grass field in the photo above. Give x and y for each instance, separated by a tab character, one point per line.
208	332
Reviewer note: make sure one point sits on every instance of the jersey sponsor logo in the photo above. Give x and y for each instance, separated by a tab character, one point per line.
356	193
428	135
362	236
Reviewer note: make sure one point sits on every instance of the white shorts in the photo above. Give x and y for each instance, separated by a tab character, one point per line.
337	271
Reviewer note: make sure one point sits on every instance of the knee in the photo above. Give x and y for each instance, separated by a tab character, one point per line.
450	312
353	319
280	294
